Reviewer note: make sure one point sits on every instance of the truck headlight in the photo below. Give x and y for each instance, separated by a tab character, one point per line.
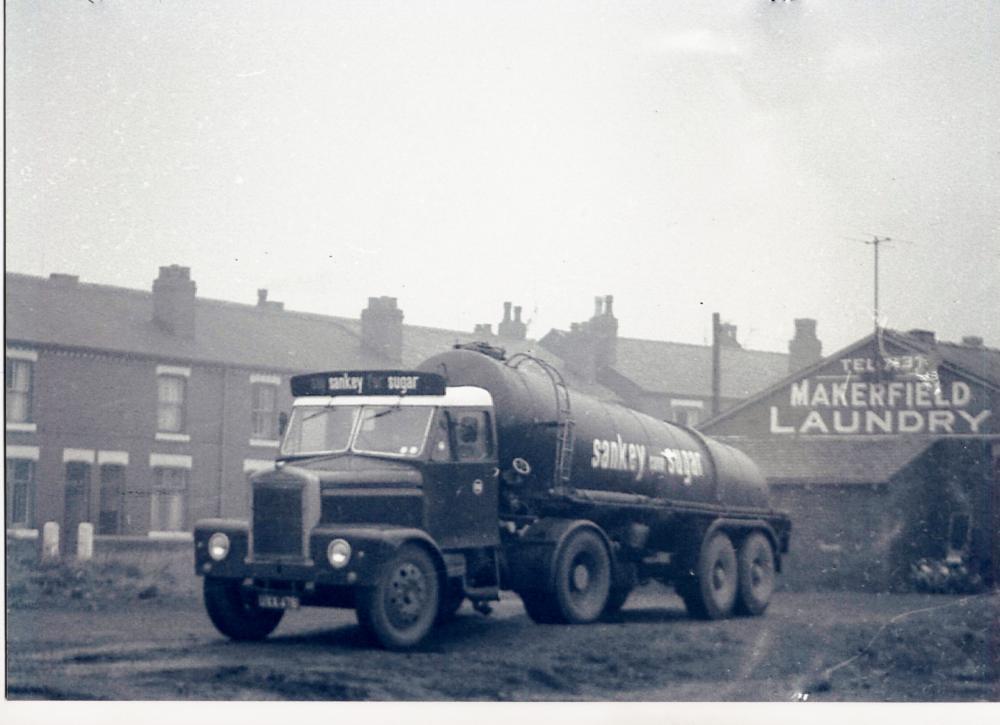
338	553
218	546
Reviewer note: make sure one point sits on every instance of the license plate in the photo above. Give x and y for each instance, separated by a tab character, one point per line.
277	601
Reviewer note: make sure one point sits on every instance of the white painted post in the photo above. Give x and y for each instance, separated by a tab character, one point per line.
50	541
85	542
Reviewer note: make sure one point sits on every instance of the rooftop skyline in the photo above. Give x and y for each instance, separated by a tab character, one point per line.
685	158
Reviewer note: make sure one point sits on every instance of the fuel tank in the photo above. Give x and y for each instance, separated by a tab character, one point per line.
615	449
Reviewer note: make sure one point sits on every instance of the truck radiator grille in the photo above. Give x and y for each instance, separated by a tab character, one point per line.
277	521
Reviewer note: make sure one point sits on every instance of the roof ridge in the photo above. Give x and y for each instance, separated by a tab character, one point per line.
701	345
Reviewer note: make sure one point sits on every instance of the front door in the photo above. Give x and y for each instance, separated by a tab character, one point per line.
77	504
112	501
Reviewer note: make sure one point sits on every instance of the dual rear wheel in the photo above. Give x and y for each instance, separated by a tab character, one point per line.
726	580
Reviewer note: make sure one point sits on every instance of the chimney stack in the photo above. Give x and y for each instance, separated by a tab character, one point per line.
727	335
382	328
805	348
512	329
485	329
265	304
173	300
64	280
603	331
972	341
925	337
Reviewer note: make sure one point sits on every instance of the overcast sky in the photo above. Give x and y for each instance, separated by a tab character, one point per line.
685	157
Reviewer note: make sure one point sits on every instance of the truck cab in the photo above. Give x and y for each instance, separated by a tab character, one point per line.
383	496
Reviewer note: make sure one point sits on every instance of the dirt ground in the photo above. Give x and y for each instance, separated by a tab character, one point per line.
809	646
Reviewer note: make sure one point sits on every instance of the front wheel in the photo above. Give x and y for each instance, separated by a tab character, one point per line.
582	577
402	606
235	613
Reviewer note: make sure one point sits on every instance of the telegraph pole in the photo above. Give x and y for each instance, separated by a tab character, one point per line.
874	242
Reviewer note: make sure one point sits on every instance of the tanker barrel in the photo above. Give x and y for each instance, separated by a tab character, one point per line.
616	450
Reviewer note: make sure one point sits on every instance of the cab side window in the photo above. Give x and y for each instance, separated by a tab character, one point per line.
473	438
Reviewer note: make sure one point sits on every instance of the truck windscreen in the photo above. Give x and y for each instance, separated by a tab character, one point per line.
380	429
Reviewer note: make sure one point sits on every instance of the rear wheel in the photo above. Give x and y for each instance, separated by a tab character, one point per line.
235	612
402	606
712	592
755	567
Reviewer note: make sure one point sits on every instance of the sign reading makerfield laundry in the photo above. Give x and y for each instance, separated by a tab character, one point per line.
878	396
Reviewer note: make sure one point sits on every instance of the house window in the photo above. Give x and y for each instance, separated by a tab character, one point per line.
18	377
172	394
112	499
168	499
686	416
263	413
20	492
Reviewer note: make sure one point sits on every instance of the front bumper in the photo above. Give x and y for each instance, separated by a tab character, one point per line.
370	546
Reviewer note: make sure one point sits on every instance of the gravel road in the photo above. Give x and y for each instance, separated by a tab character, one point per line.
883	647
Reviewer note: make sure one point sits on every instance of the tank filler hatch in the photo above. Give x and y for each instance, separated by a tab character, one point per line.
564	420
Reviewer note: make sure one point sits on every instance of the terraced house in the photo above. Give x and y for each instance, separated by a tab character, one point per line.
142	411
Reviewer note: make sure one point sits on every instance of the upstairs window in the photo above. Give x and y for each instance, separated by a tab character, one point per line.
686	412
264	411
171	408
18	378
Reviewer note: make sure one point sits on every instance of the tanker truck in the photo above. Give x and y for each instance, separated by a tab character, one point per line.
402	493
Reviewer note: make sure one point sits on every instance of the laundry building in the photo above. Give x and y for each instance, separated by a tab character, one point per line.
885	453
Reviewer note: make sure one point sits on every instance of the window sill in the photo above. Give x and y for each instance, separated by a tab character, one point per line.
175	437
171	535
22	427
19	533
263	443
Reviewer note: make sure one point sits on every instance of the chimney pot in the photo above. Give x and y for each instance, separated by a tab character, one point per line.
805	327
608	301
598	304
506	311
261	297
517	313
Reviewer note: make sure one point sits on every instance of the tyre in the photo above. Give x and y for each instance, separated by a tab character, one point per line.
451	601
235	613
582	577
621	588
712	593
755	570
402	606
540	605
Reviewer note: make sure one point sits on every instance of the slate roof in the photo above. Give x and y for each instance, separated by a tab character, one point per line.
982	362
117	319
681	368
823	460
